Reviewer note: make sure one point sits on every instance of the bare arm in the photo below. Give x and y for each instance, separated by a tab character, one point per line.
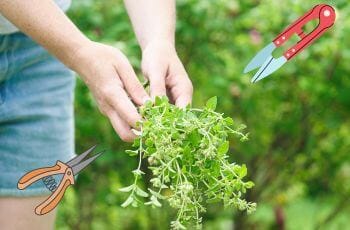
154	26
152	20
47	24
105	70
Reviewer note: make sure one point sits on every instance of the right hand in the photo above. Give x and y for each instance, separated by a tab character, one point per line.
111	79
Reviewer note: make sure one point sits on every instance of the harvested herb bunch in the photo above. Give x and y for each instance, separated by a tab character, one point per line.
187	153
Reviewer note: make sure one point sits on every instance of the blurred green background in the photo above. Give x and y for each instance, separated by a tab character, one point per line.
298	119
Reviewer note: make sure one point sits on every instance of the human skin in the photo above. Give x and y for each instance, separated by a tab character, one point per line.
105	70
160	62
18	213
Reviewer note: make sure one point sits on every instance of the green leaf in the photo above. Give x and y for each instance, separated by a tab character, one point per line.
229	121
140	192
136	132
127	202
186	148
134	204
243	171
249	184
244	137
159	100
177	225
138	172
211	103
156	194
223	148
148	103
132	152
155	201
127	189
191	115
213	200
149	142
194	137
148	203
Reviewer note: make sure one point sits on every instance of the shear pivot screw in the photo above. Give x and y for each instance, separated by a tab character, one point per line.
326	13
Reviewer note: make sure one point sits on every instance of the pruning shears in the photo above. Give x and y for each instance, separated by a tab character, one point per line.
68	169
264	59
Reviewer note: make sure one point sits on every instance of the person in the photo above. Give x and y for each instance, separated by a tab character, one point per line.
38	47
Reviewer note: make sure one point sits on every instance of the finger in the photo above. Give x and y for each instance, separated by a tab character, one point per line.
120	102
157	87
170	96
186	97
181	90
156	78
132	83
183	101
121	127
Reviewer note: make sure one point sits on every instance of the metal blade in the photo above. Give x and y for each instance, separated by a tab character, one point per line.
80	157
77	168
270	65
260	57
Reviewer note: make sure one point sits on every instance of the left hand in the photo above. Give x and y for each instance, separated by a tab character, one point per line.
163	68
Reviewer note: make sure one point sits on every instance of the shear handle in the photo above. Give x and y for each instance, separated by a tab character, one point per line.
316	13
327	17
52	201
40	173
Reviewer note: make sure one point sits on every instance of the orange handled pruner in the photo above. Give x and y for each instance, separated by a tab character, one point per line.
69	169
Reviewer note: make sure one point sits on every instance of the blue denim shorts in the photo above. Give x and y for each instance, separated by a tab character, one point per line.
36	112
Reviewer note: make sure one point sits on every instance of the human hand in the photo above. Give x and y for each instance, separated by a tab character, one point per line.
111	79
163	68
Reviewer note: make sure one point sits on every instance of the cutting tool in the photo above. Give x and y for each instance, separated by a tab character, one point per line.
264	59
68	169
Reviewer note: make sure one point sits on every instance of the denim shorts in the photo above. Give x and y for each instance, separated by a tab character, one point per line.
36	112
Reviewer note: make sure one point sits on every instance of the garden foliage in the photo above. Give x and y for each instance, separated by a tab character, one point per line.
298	118
187	152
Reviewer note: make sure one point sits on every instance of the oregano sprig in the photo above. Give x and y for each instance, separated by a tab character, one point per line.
187	151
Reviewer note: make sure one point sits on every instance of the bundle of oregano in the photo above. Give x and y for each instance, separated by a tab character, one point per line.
187	153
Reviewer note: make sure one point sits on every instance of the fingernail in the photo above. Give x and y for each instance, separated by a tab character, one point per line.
182	103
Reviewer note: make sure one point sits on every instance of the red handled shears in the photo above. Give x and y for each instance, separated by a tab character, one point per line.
68	169
268	64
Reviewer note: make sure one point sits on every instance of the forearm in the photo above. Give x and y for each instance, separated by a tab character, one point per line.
45	22
104	69
152	20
